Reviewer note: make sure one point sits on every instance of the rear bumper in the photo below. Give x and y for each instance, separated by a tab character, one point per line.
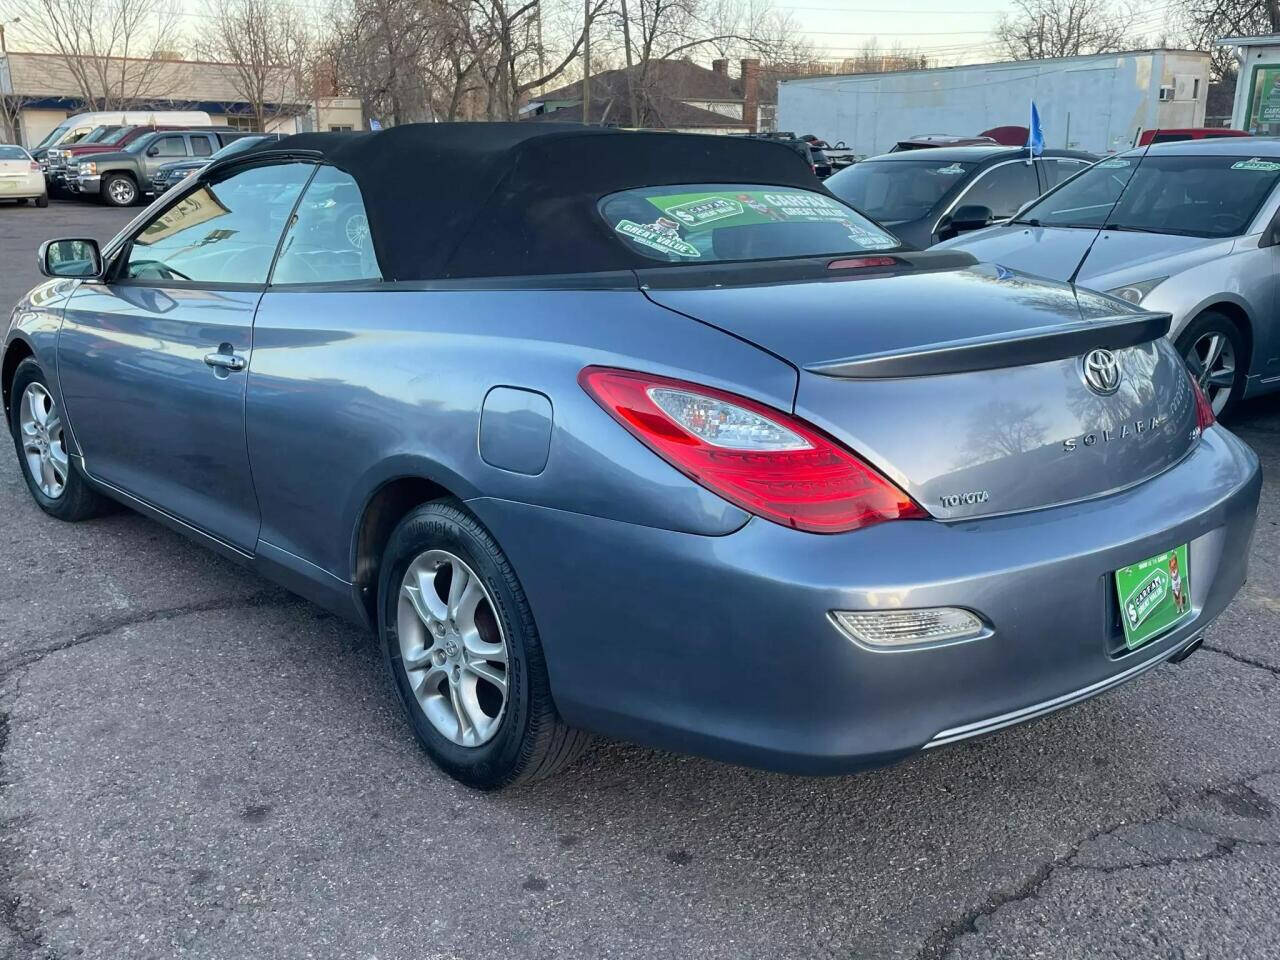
23	186
722	646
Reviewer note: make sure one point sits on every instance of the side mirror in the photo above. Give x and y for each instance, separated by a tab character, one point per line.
70	258
971	216
153	151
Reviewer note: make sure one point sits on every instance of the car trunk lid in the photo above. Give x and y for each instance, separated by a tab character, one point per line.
967	386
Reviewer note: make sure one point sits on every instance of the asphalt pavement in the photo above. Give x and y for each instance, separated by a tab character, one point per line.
194	763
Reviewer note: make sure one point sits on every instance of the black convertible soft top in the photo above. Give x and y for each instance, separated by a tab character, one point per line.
451	200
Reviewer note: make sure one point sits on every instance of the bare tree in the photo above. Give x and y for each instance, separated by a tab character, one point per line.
656	30
872	58
509	53
1207	21
267	45
1062	28
119	53
378	50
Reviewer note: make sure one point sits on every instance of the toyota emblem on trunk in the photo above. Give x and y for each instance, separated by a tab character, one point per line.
1101	371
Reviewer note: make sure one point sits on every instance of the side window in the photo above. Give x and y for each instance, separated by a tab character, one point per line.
329	238
1056	171
200	146
167	147
221	232
1004	189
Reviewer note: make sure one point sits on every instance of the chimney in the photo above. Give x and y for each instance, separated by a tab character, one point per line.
721	67
751	94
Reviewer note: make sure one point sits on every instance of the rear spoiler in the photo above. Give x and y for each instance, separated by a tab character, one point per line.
1015	349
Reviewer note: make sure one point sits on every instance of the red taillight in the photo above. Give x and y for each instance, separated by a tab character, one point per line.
1204	409
35	167
765	461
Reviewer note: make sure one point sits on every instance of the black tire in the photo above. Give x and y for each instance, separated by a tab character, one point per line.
127	189
1209	323
531	742
42	201
78	500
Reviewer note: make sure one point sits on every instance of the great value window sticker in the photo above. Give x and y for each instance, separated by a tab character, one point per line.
660	236
1257	164
697	212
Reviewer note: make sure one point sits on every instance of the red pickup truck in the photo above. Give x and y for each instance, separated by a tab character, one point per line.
1186	133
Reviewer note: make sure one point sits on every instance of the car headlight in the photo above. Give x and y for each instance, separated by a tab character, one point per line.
1135	293
88	168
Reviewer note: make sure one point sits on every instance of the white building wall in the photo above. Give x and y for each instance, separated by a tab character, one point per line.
1096	103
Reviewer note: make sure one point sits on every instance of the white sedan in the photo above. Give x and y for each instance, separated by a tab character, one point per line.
20	177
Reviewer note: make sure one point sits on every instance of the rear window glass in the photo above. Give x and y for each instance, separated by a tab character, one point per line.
13	153
715	222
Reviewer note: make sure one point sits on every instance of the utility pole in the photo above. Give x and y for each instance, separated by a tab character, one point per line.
586	62
4	23
626	44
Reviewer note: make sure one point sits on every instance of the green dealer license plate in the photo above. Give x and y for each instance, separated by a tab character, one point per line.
1154	595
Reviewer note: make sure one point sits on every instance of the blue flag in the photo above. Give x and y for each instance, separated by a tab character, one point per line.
377	125
1035	136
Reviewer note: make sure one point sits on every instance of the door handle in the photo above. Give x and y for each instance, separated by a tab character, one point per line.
225	361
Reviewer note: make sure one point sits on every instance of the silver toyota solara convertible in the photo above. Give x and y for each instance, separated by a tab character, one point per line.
640	434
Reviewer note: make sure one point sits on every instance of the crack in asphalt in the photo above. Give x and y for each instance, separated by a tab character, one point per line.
28	939
262	598
1247	661
939	944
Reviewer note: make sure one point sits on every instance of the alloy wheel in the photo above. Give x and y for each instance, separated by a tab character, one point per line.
1212	360
43	445
122	192
453	648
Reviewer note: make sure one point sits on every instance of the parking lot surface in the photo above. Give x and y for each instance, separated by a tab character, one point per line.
198	764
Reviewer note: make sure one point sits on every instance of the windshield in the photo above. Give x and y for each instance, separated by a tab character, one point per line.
54	134
1195	196
98	135
116	135
13	153
235	146
895	191
710	223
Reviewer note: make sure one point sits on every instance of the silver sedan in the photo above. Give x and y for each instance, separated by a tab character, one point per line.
1191	229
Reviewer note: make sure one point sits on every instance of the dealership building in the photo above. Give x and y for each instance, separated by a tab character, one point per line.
1257	103
40	91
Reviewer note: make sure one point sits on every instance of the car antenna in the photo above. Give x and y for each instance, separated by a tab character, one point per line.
1105	220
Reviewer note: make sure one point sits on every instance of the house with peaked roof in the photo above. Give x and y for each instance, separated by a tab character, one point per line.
669	95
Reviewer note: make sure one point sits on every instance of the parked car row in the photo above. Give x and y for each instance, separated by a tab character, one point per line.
1186	224
120	158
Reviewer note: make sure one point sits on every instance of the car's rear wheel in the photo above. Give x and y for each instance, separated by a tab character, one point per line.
43	445
119	190
464	654
42	201
1214	350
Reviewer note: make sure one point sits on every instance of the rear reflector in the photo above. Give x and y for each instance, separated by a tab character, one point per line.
887	629
861	263
1204	409
767	462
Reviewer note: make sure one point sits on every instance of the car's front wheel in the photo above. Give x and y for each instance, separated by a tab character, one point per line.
459	640
119	190
43	446
1214	350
